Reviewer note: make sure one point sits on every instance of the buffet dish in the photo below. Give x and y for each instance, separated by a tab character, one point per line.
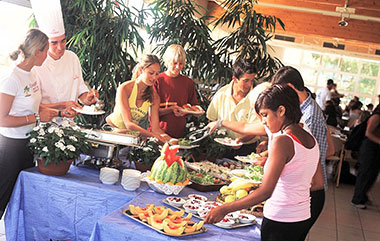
165	220
198	206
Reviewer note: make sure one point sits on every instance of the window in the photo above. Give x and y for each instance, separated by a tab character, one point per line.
353	76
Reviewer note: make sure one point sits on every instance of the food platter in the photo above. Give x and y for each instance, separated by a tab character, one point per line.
228	142
251	158
127	213
244	174
220	225
185	147
89	110
195	110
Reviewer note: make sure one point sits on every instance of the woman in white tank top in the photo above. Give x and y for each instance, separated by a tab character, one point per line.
292	162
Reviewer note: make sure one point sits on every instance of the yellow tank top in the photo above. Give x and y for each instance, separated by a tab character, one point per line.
138	113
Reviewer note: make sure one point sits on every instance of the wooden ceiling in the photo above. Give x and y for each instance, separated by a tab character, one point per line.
316	21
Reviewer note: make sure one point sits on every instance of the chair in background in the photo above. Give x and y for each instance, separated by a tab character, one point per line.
338	156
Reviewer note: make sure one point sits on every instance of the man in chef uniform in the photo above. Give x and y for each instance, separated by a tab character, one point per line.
60	76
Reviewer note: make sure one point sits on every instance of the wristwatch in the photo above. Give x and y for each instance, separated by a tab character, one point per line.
219	124
59	113
37	118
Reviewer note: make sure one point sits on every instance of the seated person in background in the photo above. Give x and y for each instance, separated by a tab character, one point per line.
288	172
331	113
370	108
235	102
174	91
136	98
355	112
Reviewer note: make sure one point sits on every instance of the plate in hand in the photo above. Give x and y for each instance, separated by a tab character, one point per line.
89	110
228	142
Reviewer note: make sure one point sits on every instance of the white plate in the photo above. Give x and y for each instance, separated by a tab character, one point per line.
244	159
227	141
88	112
193	112
240	173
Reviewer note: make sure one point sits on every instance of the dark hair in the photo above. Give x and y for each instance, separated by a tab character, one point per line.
330	82
357	105
289	75
277	95
243	66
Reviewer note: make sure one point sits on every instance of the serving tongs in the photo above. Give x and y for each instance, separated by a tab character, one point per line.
205	131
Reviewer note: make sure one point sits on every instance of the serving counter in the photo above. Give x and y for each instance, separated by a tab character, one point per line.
78	206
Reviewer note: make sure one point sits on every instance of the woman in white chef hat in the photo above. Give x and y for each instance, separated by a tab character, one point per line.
60	76
19	111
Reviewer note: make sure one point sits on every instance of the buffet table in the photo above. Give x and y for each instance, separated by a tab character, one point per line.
61	208
117	226
77	206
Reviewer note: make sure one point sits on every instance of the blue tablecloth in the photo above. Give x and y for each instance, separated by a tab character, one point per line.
116	226
61	208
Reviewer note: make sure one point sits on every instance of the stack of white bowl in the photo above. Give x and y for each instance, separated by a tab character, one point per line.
109	175
131	179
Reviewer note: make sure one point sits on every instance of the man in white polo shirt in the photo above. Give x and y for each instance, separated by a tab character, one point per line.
324	94
60	76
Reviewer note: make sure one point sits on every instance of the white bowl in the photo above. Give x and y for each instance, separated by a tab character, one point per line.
109	175
131	179
246	218
191	208
225	222
198	197
175	201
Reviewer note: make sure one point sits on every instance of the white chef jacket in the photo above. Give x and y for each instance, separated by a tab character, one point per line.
60	80
24	87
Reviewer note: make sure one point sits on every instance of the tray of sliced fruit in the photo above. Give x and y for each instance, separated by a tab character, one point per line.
165	220
199	206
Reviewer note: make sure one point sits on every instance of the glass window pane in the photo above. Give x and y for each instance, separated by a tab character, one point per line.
346	83
365	101
366	86
324	76
349	65
371	69
330	61
309	76
311	59
292	56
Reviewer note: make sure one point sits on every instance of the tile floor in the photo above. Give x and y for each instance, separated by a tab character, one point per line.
339	221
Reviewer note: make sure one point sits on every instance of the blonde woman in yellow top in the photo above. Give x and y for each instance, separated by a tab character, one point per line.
136	99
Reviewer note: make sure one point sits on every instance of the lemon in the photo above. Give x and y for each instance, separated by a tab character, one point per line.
241	193
230	198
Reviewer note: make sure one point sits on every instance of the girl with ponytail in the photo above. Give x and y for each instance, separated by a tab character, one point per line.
135	99
20	97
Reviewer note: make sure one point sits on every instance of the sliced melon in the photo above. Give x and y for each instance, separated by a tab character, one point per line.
163	215
190	228
132	209
176	224
159	209
200	225
178	213
158	224
188	217
173	230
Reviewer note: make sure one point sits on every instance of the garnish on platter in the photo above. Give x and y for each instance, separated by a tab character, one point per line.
165	220
249	158
169	174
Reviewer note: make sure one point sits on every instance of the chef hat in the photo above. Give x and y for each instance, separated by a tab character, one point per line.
48	14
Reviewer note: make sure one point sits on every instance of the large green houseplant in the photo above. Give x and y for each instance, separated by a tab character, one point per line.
105	36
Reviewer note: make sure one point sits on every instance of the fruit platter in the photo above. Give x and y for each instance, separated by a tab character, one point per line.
204	182
198	206
165	220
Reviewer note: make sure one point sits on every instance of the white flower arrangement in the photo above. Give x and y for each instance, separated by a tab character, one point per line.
55	142
147	153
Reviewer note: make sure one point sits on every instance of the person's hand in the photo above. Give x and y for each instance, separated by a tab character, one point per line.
263	146
91	97
212	126
47	114
68	112
178	111
215	215
161	137
166	137
260	161
71	104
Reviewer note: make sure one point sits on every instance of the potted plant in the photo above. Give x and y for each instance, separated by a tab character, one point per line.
55	145
144	155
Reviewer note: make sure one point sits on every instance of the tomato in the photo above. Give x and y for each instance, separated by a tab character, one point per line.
199	175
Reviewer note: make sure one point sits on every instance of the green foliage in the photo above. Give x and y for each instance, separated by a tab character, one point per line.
55	142
104	34
147	152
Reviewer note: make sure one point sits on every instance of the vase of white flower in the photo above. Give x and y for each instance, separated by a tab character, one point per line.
144	155
55	146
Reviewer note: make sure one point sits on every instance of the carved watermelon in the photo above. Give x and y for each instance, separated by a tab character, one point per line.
169	168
